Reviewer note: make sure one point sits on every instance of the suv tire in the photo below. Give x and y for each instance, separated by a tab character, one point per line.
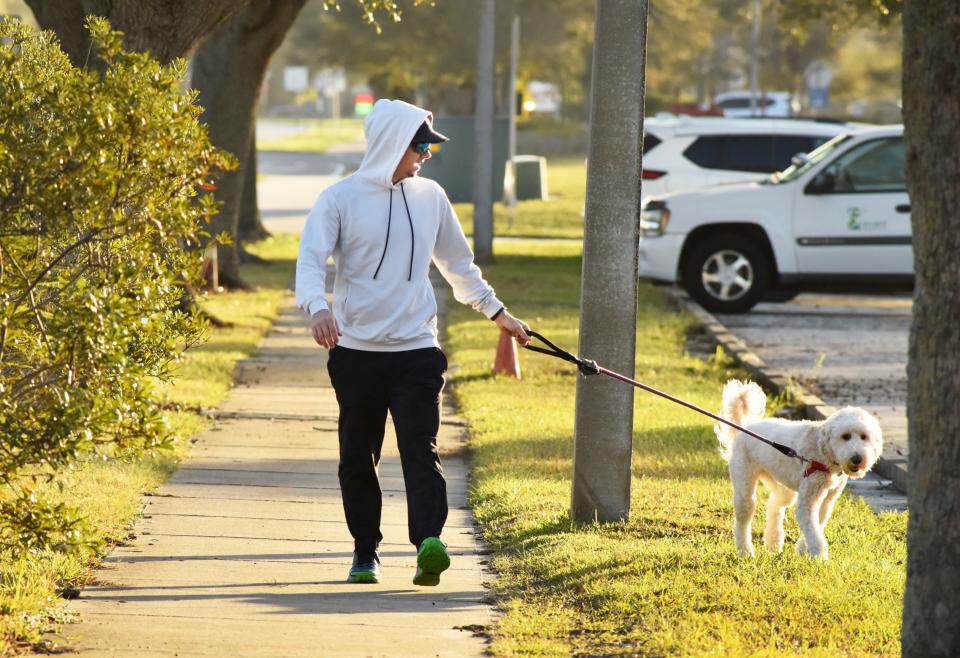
726	273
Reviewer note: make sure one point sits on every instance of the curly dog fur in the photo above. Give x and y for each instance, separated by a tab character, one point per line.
848	443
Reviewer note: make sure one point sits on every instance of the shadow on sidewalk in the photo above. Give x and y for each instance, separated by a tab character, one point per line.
361	598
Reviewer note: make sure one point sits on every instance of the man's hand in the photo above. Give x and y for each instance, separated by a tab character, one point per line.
516	328
325	328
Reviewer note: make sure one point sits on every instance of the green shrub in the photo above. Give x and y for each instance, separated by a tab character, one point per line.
100	220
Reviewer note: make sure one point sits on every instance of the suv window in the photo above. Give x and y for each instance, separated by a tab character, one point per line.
649	141
763	154
793	172
787	146
743	103
875	166
706	152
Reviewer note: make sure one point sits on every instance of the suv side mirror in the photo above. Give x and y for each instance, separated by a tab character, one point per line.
822	183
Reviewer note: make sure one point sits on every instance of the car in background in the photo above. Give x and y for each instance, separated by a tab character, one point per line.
683	153
838	215
768	104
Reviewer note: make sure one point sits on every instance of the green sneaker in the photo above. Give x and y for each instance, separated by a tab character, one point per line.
432	560
365	569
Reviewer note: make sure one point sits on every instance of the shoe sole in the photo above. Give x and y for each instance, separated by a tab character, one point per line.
432	560
364	578
424	579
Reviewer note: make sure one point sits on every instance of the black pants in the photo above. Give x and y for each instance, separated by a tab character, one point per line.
408	384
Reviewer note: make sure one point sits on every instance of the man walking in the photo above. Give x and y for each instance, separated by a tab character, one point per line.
384	225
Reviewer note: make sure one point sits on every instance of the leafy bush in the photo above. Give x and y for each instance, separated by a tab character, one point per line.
100	221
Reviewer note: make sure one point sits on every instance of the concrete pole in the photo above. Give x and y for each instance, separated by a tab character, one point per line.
603	431
511	191
483	131
755	61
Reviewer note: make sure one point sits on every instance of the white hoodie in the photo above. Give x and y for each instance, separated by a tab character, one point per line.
366	222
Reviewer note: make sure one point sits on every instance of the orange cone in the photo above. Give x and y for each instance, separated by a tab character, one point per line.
506	362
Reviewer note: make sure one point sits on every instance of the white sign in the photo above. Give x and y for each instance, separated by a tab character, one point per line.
818	75
295	78
545	95
330	81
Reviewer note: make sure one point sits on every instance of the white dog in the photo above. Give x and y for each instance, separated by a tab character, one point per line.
847	443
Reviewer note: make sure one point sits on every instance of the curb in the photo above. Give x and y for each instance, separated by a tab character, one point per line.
890	465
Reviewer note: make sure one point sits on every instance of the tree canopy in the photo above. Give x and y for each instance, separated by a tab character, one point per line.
695	48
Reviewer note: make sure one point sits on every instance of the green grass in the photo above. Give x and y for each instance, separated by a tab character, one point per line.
668	581
559	217
320	135
108	493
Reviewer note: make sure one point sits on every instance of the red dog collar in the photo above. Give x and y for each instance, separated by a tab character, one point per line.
814	467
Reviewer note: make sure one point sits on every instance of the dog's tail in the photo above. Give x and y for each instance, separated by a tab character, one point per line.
743	403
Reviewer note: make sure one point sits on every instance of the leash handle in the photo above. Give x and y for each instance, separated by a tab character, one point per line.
588	367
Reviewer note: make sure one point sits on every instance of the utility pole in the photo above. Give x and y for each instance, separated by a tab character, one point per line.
755	61
511	189
603	433
483	131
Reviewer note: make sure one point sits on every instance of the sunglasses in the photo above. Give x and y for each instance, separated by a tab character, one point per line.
421	148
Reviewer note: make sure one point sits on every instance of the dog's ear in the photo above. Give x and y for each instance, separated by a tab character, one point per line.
876	434
824	436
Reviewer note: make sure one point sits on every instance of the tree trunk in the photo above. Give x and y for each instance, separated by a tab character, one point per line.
603	430
228	72
931	89
250	223
167	29
483	136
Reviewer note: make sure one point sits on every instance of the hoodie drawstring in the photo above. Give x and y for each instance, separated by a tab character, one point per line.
410	221
387	239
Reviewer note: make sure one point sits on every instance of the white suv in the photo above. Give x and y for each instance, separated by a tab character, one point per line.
768	104
838	215
684	153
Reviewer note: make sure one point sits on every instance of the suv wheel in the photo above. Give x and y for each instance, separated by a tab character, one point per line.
726	274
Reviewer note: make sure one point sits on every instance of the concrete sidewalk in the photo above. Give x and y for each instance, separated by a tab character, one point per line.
245	551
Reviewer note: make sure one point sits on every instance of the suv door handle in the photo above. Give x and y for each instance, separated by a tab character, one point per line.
903	207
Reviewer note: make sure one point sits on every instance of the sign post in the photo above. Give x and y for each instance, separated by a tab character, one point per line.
818	76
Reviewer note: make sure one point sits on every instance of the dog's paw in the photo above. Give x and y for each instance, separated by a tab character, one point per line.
816	553
745	551
773	540
801	546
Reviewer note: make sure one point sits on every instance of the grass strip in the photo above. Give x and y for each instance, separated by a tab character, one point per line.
317	136
668	581
108	493
559	217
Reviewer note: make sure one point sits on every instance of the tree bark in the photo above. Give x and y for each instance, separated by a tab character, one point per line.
603	432
167	29
931	95
483	136
250	226
228	72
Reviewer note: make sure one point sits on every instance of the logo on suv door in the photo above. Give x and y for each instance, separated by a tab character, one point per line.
854	223
853	217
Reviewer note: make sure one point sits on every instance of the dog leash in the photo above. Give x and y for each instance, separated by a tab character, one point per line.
588	367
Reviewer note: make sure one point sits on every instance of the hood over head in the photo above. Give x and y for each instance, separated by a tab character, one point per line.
389	129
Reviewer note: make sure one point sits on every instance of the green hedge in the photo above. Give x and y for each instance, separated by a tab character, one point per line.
102	175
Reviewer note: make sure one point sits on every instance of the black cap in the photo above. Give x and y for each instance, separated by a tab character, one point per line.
426	134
